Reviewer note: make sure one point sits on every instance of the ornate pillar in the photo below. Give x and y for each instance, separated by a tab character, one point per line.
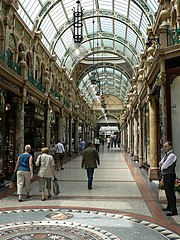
19	145
126	137
60	125
70	135
135	137
140	114
153	170
47	124
82	129
76	140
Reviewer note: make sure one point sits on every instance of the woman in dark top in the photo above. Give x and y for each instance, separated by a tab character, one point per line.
24	168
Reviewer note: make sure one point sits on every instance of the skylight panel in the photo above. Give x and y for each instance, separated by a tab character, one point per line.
25	18
106	25
144	25
48	29
58	16
105	4
67	38
60	49
120	29
121	7
153	4
131	36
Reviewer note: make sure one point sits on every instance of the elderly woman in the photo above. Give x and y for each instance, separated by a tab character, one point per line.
46	172
24	169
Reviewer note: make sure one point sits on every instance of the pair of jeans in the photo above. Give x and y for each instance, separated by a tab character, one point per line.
90	173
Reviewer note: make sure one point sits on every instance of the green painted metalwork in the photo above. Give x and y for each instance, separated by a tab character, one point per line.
66	102
174	36
55	93
5	58
35	83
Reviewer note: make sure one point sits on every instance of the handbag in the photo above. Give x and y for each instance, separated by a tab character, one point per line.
14	177
56	188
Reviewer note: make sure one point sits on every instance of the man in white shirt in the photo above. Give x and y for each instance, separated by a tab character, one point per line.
60	152
167	166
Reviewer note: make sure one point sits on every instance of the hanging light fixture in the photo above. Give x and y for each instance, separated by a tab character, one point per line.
77	50
93	73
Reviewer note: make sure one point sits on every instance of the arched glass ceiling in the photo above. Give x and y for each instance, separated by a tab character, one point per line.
120	28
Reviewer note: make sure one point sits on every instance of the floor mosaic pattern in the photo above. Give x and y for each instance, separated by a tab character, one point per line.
69	224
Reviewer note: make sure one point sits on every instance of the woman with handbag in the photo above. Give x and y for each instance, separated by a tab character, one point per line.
24	169
46	172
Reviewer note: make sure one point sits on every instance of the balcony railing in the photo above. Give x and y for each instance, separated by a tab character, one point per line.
5	58
173	37
55	93
35	83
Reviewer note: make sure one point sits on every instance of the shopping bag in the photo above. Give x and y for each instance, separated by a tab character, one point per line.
56	189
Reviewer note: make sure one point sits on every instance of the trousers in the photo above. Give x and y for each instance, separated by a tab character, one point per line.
90	173
169	180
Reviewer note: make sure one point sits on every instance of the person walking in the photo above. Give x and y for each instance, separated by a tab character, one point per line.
90	159
24	169
46	172
97	144
60	152
82	146
167	166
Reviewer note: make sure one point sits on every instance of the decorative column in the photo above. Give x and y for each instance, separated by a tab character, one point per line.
135	137
19	145
153	170
163	29
23	65
76	140
129	136
126	137
47	123
140	114
60	126
70	135
82	132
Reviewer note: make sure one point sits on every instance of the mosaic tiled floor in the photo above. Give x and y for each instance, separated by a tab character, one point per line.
68	224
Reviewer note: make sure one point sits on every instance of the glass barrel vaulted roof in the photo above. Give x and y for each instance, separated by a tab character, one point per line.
114	33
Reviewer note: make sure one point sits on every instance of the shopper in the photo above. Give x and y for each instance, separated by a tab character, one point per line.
167	166
59	155
46	172
97	143
24	169
90	159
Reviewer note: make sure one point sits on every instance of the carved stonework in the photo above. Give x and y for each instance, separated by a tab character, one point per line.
161	79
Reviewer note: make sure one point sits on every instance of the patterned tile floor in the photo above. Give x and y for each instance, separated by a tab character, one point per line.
122	205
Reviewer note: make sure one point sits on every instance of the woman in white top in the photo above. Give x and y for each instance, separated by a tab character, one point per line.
46	172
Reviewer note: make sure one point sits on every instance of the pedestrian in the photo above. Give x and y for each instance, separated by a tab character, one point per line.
59	155
97	144
24	169
90	159
167	166
46	171
82	145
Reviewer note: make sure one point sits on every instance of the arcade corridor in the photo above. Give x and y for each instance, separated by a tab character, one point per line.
121	205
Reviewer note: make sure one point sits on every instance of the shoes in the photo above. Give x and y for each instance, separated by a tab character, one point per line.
29	196
57	169
165	209
90	188
62	168
49	196
20	200
44	199
172	213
